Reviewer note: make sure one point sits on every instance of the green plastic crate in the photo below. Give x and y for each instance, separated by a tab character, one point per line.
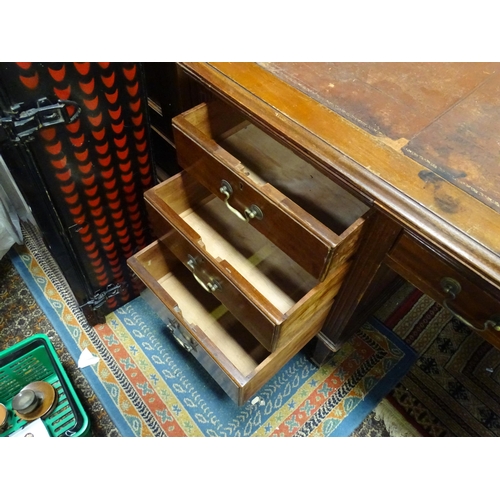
35	359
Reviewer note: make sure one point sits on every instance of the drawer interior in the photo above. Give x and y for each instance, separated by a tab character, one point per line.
266	161
229	240
201	311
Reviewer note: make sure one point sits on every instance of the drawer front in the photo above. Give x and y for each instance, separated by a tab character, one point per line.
449	284
188	343
290	227
215	282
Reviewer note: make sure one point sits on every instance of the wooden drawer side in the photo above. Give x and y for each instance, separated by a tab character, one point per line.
309	314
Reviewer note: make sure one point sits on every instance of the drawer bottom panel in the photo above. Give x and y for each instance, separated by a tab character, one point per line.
188	343
205	328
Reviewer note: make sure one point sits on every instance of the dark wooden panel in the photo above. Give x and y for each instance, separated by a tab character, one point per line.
476	303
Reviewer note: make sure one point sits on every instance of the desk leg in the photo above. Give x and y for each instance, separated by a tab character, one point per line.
366	276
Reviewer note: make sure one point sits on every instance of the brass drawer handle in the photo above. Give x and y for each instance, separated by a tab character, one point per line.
211	286
254	212
452	288
186	343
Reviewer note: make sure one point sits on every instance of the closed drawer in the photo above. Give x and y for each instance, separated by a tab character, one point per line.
450	284
205	328
303	212
267	291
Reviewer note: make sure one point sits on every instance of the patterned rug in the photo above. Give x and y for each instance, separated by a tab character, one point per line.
151	387
454	387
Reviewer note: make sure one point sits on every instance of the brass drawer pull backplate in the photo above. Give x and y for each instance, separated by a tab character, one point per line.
211	286
186	343
254	212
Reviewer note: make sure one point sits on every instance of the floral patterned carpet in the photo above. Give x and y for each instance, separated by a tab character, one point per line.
451	390
149	387
454	387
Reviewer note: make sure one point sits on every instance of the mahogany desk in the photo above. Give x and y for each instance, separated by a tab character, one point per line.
421	144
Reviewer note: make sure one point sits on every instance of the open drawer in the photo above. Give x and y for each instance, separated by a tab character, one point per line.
298	208
266	290
206	329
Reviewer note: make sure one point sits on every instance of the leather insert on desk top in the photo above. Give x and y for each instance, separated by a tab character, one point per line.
446	116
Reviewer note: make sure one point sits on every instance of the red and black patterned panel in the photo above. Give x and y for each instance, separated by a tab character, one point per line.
97	168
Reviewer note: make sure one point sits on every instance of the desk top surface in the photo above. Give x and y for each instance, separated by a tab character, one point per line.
444	116
421	139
